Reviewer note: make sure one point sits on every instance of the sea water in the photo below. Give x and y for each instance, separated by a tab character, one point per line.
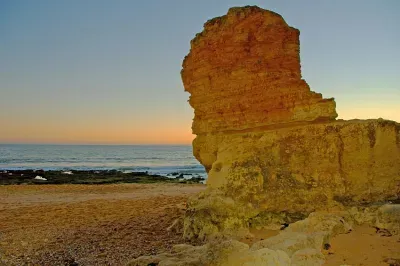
155	159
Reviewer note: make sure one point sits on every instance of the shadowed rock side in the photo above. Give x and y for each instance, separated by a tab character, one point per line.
272	148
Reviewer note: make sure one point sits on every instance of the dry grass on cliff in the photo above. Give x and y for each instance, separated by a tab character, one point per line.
88	225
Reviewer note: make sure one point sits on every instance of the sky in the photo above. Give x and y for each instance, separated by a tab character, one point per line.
108	72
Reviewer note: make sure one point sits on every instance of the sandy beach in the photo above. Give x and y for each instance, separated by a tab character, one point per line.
88	224
363	246
112	224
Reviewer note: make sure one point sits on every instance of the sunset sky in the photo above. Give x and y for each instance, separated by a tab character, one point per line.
108	72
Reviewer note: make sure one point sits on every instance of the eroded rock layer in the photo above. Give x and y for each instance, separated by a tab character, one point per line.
243	71
306	167
269	144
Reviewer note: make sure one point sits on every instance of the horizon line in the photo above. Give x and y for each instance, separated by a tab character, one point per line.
102	144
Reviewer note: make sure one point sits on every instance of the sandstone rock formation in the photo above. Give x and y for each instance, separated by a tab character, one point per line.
275	155
272	148
301	244
243	73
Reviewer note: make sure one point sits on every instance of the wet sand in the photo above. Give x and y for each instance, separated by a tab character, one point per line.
88	224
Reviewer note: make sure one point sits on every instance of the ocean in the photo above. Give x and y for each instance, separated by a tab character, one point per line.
155	159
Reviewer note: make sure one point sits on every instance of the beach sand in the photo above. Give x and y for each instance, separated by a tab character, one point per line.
363	246
112	224
88	224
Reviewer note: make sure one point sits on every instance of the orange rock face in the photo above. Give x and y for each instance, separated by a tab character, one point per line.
243	71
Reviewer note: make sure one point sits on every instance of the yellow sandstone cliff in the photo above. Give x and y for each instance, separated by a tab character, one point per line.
272	147
275	155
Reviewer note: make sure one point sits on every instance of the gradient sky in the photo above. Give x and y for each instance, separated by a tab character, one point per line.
93	71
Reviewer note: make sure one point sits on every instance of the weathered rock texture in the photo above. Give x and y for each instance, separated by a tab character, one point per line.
243	72
301	244
269	144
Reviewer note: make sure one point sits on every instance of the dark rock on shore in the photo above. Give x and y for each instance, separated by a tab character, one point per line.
16	177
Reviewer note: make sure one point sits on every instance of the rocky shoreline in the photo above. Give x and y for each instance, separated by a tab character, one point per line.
30	176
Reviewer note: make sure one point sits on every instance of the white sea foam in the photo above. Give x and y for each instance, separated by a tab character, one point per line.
67	172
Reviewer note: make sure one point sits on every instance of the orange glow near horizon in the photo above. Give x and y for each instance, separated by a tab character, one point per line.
95	134
109	125
99	125
93	131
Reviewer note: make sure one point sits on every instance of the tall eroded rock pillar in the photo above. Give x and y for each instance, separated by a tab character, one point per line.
269	144
243	72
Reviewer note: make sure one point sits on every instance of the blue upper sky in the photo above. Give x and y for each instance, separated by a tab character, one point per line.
94	71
